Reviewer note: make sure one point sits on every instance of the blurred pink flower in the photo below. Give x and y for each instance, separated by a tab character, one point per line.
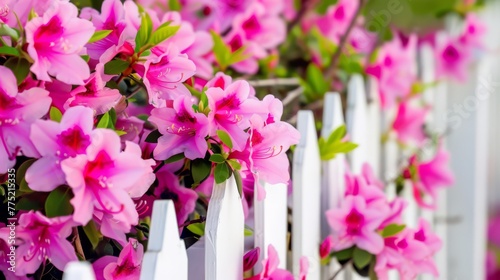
452	59
56	142
126	266
474	32
55	42
250	259
270	270
325	248
183	130
409	123
355	223
106	179
41	239
17	112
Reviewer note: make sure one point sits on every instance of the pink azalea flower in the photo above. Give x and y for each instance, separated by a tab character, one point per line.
56	142
355	223
304	268
107	179
163	74
95	94
41	239
258	26
395	70
270	270
5	259
12	10
231	109
55	41
430	176
17	112
198	53
325	248
474	32
183	130
220	80
250	259
409	123
371	193
253	52
452	59
126	266
264	154
493	230
396	208
169	188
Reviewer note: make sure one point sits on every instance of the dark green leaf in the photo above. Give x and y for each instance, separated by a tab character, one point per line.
21	171
217	158
361	258
92	233
163	33
221	173
99	35
344	255
115	67
239	183
6	50
144	32
175	158
392	229
55	114
20	67
200	169
153	136
29	203
57	203
224	137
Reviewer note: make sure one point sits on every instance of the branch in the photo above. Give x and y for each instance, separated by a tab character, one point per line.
306	6
78	243
340	269
336	56
275	82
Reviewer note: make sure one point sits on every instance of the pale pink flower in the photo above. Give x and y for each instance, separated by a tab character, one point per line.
452	59
253	52
474	32
56	142
55	42
220	80
40	239
17	112
183	130
198	53
355	223
106	178
126	266
409	123
184	198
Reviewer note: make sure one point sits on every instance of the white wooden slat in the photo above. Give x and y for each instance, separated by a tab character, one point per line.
166	253
271	222
333	180
77	270
306	197
374	128
357	122
224	238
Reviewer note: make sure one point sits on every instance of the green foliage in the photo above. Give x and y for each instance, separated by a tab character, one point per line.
175	158
144	32
93	234
197	228
115	67
392	229
221	172
315	85
361	258
99	35
10	51
163	32
20	67
153	136
344	255
224	137
329	148
224	56
57	203
55	114
324	5
217	158
200	169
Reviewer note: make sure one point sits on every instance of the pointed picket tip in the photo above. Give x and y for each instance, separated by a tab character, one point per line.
333	115
166	253
77	270
224	233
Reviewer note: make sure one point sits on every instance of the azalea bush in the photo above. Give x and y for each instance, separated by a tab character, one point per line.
106	106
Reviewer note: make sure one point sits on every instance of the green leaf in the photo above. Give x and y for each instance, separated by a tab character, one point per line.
324	5
6	50
392	229
27	203
120	132
316	80
153	136
20	67
235	165
221	173
337	134
221	50
21	171
55	114
85	57
224	137
344	255
217	158
57	203
361	258
115	67
248	231
238	56
239	183
144	32
175	158
163	33
200	169
198	228
105	121
92	233
99	35
174	5
6	30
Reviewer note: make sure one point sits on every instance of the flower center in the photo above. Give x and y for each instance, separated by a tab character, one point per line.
354	221
74	140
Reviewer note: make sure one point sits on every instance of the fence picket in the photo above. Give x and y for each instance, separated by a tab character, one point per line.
224	237
306	197
357	121
166	253
77	270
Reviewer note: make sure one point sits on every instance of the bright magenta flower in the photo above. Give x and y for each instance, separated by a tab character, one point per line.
183	130
55	42
355	223
270	270
250	259
41	239
17	112
126	266
409	123
56	142
106	178
325	248
452	59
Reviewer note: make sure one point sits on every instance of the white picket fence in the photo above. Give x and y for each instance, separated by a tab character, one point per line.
318	186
